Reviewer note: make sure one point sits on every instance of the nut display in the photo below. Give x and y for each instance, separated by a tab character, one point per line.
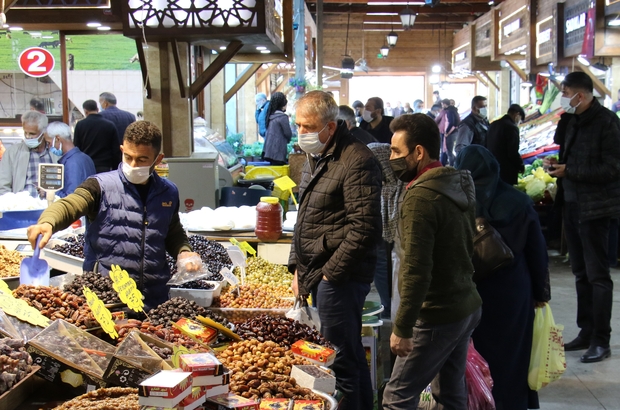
257	296
15	363
258	270
164	333
74	246
111	398
53	303
284	331
102	286
262	370
9	262
196	284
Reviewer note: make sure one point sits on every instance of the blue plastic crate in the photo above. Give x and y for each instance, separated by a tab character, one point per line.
18	219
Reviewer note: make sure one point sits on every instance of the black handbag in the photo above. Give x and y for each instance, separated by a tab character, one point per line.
490	251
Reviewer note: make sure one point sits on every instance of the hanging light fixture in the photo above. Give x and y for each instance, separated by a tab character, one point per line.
392	37
407	18
384	51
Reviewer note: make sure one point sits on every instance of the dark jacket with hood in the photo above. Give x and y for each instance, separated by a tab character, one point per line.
503	142
339	219
278	136
590	148
437	225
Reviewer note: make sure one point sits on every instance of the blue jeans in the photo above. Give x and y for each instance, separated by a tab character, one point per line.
588	246
438	357
340	311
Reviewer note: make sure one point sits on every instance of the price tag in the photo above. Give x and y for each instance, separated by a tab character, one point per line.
126	288
244	246
100	312
22	310
4	288
230	277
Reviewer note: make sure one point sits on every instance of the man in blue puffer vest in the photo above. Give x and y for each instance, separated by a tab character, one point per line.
134	216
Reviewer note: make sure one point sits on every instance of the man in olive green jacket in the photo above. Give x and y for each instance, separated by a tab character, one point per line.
439	305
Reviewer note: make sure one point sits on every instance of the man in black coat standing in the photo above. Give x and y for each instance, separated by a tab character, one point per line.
503	142
97	137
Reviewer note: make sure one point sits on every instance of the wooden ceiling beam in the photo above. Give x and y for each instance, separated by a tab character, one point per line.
397	28
440	9
59	19
421	19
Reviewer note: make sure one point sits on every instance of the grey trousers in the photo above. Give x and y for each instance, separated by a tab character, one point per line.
439	356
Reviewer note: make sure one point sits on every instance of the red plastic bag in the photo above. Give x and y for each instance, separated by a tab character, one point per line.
479	381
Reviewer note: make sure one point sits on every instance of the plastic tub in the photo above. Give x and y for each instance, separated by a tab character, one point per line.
19	219
202	297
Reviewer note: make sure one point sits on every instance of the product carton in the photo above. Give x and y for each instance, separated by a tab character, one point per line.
312	377
212	391
308	405
201	364
209	381
275	404
318	354
165	389
196	331
230	401
191	402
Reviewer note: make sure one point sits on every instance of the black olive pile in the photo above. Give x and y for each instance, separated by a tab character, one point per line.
102	286
196	284
73	247
212	253
176	308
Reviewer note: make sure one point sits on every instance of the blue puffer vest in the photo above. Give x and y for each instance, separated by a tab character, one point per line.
131	234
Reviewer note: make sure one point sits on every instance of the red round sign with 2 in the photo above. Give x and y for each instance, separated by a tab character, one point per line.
36	62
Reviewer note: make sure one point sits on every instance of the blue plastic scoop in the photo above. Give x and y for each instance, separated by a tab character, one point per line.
34	271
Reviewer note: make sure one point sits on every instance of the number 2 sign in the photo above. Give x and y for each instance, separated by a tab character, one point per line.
36	62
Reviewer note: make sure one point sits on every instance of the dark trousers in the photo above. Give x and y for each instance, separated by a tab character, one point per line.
588	243
450	140
340	311
439	357
383	276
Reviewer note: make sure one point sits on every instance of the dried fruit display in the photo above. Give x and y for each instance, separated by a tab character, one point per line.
262	370
9	262
111	398
254	296
15	363
281	330
101	285
54	304
212	253
258	271
74	246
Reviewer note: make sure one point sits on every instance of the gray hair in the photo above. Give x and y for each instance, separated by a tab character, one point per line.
60	130
35	118
109	97
318	103
347	114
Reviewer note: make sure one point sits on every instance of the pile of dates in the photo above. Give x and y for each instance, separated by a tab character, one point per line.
15	363
173	310
262	370
163	352
281	330
101	285
54	304
166	334
74	246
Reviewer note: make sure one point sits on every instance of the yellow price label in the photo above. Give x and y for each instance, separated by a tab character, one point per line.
177	351
248	248
284	183
22	310
126	288
235	242
4	288
100	312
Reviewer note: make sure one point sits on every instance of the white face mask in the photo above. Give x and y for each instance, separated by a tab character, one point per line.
483	112
565	103
367	116
311	143
137	175
33	142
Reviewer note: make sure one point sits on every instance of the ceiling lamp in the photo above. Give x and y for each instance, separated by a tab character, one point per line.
384	51
436	69
583	60
407	17
392	38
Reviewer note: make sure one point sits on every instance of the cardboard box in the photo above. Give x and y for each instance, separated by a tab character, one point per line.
212	391
165	389
201	364
312	377
275	404
230	401
308	405
211	380
318	354
195	330
191	402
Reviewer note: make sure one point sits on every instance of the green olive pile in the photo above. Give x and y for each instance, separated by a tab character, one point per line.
259	271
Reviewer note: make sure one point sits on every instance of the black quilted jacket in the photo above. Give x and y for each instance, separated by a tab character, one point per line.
339	220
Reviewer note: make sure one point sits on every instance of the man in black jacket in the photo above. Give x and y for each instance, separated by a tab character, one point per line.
375	122
589	173
503	142
97	137
346	114
473	129
336	236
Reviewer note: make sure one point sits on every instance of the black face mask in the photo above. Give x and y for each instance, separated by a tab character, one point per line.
399	167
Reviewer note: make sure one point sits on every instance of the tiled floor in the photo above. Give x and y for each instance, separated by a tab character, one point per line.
594	386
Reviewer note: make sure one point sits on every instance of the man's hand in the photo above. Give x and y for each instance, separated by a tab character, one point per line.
295	285
559	170
190	266
401	347
539	304
34	231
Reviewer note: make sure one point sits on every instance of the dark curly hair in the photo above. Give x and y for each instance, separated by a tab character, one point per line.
143	133
278	102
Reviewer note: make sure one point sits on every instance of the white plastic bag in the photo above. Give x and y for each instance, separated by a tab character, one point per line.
305	314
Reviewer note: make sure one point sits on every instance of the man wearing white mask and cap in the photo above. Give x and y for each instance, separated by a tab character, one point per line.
338	228
133	214
19	168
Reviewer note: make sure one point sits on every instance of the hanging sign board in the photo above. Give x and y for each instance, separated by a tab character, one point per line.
573	27
483	36
545	41
461	53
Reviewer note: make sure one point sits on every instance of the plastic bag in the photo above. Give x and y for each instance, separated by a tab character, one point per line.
427	401
547	361
305	314
479	381
189	269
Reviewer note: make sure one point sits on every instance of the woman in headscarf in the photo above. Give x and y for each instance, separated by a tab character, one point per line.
509	295
279	132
